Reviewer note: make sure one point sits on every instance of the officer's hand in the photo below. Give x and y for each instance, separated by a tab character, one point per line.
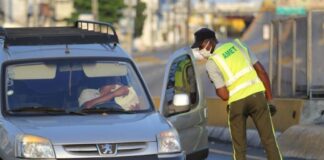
273	109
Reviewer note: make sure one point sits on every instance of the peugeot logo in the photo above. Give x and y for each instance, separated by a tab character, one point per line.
106	149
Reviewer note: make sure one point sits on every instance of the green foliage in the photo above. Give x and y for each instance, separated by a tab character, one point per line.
82	6
140	18
109	10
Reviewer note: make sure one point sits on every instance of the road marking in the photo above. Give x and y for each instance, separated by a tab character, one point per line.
230	154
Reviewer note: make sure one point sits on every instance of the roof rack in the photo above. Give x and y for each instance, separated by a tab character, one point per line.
83	32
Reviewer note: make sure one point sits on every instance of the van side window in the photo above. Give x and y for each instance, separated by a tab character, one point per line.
182	80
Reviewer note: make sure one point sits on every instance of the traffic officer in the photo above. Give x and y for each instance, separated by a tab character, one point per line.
241	81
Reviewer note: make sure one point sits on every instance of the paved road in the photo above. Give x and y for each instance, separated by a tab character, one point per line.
223	151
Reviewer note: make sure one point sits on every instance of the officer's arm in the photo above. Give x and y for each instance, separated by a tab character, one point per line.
216	77
262	74
222	93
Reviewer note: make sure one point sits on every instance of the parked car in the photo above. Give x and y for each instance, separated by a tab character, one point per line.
74	93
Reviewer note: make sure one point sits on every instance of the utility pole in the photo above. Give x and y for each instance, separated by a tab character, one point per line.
52	6
35	12
131	15
174	26
187	21
27	4
94	8
152	22
168	19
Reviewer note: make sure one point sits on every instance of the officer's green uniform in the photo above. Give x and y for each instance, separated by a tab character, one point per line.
247	98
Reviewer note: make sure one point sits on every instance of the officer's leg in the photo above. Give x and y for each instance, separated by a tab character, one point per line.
237	125
261	116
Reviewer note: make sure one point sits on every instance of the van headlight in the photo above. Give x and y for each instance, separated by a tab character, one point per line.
29	146
168	142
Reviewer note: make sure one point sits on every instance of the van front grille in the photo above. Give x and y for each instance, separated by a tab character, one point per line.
130	147
93	149
145	157
87	149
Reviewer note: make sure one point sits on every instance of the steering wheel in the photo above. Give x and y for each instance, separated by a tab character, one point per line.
106	105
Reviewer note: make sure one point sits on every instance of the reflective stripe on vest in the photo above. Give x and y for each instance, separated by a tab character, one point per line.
231	77
224	65
243	50
244	85
235	65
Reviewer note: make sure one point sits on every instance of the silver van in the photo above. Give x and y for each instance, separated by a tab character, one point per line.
73	93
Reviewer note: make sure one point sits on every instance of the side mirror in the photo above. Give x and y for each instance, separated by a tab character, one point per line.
180	100
181	104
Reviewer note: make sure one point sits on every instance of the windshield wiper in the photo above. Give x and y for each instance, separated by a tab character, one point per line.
106	110
49	110
76	113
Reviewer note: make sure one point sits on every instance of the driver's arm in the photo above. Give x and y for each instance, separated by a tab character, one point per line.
106	97
98	100
107	89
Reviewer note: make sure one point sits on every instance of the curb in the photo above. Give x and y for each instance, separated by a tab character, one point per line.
303	141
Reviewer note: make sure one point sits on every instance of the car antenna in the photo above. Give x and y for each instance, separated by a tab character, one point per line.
67	50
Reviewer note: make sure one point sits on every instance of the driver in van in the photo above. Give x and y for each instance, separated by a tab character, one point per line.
124	96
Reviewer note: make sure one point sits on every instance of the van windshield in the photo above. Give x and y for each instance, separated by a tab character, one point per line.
64	86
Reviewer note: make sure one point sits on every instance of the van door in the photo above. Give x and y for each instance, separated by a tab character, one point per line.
183	103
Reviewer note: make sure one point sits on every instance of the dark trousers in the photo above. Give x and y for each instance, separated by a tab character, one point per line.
255	106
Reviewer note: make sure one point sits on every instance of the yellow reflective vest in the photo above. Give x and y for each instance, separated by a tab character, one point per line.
234	62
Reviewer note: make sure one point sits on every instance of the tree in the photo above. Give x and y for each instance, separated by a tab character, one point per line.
140	18
109	10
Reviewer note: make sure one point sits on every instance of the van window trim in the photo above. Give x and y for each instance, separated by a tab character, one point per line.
129	61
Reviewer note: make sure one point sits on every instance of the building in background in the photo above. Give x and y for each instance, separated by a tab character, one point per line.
165	24
172	22
168	23
149	37
35	12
